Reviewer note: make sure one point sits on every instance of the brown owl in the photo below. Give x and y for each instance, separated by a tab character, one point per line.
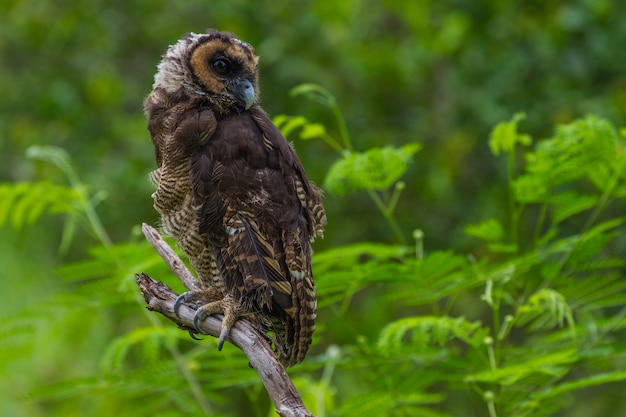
232	192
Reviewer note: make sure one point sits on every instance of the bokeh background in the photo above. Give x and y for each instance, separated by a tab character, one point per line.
442	73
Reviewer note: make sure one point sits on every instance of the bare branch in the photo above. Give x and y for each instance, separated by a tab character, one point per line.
161	298
169	256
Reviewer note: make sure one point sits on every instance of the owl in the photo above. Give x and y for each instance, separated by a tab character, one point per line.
233	193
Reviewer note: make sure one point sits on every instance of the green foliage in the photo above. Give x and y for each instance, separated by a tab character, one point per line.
547	294
504	137
546	308
378	169
21	204
584	149
24	203
490	230
417	333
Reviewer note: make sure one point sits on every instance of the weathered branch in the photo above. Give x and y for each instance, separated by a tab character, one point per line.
161	298
169	256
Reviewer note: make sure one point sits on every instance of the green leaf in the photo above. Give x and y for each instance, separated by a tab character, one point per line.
312	131
489	230
56	156
569	203
580	149
590	381
315	92
594	291
288	124
504	136
530	189
498	247
24	203
546	308
554	364
419	332
376	169
370	404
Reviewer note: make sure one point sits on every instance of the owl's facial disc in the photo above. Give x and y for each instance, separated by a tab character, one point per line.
239	87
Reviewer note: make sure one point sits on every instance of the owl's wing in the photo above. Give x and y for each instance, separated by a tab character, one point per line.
255	205
297	233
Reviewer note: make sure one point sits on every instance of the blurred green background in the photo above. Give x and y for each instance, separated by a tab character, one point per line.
442	73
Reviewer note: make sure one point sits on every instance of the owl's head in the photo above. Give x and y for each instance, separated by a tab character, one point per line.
214	64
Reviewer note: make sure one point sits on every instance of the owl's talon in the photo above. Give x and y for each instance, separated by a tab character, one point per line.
223	336
180	300
196	319
224	306
193	335
231	315
187	297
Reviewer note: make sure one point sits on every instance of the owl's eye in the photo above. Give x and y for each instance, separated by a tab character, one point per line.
221	66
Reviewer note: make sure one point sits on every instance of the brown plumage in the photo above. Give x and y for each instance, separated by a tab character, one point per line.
232	192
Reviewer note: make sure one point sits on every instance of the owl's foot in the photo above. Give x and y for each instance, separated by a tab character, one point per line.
226	306
189	297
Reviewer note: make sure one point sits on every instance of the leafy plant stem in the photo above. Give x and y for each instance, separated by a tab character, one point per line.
60	158
388	215
603	202
512	211
395	196
496	322
450	303
96	224
326	380
492	409
605	199
332	143
341	123
540	221
418	235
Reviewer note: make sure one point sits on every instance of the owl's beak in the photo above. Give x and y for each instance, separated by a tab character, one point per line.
244	91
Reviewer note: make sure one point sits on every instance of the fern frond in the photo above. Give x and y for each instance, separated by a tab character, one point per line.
24	203
582	149
420	332
371	404
596	291
392	403
151	339
504	136
106	277
489	230
376	169
344	270
553	364
345	257
570	203
438	275
575	150
590	381
546	308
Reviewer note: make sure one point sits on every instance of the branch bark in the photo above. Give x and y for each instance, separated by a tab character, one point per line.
161	298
